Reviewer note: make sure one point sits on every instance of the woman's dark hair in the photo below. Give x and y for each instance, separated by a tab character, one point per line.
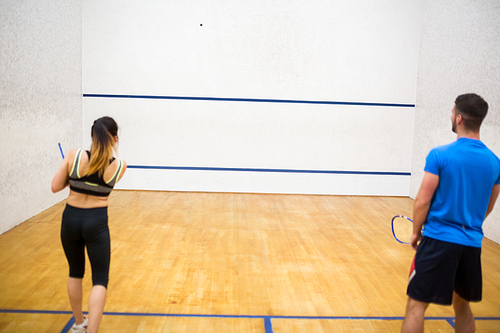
103	134
473	109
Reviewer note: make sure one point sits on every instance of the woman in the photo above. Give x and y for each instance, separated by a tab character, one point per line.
91	176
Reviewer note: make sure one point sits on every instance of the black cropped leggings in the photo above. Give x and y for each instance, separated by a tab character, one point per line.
87	228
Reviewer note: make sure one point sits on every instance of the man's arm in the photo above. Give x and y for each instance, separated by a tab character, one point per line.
422	205
493	199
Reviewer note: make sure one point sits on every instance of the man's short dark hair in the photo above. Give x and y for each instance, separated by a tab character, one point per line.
473	109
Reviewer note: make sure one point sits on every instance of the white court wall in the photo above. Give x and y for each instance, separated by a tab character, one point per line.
40	101
459	47
340	51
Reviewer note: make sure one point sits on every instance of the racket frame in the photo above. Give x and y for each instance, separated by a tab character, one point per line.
392	227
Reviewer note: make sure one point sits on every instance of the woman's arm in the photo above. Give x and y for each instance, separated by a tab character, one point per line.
61	179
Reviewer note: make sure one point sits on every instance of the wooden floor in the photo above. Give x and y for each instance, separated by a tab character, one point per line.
213	262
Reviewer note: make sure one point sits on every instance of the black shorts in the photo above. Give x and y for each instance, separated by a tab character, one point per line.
439	268
87	227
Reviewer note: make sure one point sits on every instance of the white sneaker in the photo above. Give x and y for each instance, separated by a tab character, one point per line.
82	328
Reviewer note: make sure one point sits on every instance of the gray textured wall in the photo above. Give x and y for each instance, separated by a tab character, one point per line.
40	101
41	87
459	48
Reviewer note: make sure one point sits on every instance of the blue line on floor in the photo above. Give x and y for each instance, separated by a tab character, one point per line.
69	325
146	314
267	319
34	311
267	325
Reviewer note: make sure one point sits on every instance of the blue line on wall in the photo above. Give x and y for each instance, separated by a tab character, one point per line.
257	100
376	173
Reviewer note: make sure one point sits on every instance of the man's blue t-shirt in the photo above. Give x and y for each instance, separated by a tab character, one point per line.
467	171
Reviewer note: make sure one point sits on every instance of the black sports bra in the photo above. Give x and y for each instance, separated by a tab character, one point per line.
92	184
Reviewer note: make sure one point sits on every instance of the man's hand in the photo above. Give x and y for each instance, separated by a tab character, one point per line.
415	239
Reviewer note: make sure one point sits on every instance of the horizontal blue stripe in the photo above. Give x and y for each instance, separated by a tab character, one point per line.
267	319
35	311
138	314
257	100
271	170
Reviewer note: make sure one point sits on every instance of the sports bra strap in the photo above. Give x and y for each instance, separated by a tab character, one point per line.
75	170
118	170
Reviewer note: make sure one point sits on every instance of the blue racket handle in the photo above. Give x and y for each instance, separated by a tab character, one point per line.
392	226
62	154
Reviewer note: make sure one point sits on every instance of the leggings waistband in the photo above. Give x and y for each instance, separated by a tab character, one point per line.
86	211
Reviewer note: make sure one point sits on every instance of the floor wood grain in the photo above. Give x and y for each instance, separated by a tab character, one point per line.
228	254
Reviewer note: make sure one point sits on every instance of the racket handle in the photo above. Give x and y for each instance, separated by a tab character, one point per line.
60	149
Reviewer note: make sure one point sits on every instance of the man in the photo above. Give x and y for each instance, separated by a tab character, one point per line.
459	189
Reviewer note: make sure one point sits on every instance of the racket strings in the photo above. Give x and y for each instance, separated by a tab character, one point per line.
402	228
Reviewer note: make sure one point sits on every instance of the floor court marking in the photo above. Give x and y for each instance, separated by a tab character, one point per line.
69	325
268	327
267	319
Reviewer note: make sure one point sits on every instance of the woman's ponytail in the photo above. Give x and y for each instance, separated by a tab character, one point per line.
103	134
